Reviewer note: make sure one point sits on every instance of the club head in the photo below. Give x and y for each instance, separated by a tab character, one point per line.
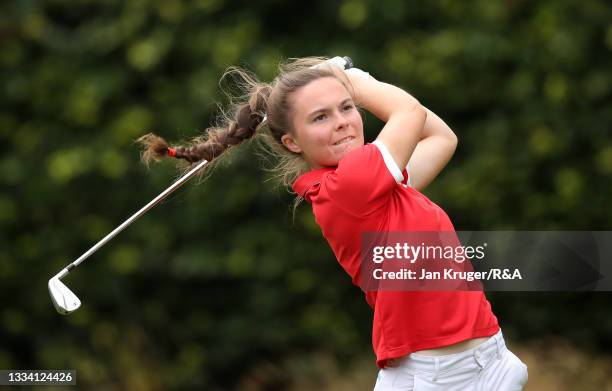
63	299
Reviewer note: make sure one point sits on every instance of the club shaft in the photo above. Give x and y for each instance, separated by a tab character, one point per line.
133	218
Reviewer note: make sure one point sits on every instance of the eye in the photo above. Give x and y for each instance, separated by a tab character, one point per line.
319	117
347	107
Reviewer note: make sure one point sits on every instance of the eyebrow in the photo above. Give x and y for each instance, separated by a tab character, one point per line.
324	109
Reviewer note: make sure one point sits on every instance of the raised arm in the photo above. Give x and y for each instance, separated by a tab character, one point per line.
403	115
428	147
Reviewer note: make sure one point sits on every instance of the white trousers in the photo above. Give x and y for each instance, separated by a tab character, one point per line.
488	367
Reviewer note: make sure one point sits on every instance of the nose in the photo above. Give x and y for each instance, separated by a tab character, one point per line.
341	121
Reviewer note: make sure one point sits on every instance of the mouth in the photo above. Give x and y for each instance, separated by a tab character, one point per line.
344	140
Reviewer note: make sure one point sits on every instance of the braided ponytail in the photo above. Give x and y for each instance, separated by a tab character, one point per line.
216	140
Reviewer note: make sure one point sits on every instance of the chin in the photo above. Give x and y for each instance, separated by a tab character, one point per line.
345	149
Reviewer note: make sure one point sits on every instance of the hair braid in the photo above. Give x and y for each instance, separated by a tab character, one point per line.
217	139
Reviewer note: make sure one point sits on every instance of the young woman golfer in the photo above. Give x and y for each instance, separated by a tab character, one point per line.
308	117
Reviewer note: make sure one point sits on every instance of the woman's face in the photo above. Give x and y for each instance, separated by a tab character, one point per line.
326	123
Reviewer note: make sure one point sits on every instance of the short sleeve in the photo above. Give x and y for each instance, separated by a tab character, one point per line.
363	181
389	162
401	176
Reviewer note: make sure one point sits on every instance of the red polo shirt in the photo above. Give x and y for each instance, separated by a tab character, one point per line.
367	192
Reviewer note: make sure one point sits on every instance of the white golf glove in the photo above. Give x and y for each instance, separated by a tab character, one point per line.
340	63
337	62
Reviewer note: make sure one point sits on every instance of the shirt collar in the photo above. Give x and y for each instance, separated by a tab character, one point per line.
306	181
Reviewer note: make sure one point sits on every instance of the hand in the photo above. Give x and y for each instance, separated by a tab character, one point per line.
337	62
340	63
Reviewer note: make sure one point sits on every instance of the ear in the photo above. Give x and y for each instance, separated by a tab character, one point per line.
289	143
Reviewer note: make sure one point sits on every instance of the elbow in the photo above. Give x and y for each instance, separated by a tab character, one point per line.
453	139
452	142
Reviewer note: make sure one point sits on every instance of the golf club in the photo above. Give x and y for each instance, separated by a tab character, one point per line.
64	300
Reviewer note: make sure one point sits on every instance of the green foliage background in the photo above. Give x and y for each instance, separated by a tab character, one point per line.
221	279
